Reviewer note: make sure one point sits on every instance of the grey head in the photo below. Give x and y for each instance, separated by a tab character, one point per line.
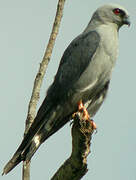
111	14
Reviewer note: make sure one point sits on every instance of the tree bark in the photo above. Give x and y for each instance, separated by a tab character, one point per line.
75	167
39	79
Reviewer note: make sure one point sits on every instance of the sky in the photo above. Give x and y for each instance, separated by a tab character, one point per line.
25	28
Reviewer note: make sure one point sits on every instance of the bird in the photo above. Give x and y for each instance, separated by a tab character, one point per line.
82	79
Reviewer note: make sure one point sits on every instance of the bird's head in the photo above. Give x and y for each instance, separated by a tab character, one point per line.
112	13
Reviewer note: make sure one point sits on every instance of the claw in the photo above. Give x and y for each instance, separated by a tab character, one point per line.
86	116
93	125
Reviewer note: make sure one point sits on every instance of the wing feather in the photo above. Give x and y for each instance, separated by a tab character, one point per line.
74	62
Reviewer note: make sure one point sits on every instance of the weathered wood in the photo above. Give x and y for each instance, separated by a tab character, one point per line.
75	167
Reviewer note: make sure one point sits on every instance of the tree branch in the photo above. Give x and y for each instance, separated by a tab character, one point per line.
75	167
39	79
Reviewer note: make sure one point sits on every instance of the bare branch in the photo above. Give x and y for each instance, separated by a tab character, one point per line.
26	170
75	167
39	78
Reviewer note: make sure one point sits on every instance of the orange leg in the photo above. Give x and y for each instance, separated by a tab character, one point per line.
86	116
81	108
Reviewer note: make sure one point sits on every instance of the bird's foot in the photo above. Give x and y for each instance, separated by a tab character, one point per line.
85	115
93	125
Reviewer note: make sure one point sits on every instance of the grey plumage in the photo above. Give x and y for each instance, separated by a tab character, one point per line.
84	74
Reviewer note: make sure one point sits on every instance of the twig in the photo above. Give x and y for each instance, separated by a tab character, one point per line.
39	78
75	167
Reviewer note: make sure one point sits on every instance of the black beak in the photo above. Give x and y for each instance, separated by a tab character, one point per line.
126	20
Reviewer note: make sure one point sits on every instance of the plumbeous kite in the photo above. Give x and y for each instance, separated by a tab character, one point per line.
82	78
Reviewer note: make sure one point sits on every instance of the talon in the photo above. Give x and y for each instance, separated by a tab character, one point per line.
93	125
85	115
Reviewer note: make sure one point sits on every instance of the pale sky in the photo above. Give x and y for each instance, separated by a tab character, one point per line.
24	32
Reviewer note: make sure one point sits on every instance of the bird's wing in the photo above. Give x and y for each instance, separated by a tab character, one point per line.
74	62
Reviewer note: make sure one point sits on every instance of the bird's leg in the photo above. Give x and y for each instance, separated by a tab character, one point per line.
86	116
82	109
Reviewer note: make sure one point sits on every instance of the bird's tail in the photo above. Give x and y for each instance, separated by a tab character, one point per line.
44	114
16	159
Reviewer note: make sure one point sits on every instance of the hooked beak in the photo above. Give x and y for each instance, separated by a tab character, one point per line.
126	20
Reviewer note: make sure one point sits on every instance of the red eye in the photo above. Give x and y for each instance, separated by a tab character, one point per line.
116	11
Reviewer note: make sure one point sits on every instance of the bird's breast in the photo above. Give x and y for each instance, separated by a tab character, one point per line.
109	41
